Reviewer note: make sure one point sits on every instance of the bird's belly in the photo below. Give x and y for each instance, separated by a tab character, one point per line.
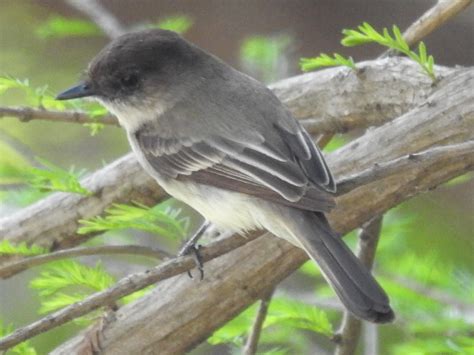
228	210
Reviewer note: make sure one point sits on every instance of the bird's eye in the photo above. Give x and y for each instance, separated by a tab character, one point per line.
130	80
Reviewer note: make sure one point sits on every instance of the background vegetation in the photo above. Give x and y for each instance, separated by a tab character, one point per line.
424	259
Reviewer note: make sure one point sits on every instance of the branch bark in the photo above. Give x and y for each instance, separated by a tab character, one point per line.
100	15
180	313
340	98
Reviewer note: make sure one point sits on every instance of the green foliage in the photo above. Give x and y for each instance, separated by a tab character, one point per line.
7	248
365	33
157	219
23	348
34	96
283	313
178	23
324	60
62	27
54	178
66	282
262	54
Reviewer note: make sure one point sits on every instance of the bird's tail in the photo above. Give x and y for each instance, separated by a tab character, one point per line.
355	286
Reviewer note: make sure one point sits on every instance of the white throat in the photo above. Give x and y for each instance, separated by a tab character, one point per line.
131	117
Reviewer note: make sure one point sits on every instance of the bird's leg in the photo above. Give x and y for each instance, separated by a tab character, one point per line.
191	248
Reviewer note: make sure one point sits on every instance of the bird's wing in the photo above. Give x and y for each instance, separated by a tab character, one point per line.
291	172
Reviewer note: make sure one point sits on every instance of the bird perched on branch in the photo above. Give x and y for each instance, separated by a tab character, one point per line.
223	143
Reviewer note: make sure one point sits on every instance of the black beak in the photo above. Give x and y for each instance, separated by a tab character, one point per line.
81	90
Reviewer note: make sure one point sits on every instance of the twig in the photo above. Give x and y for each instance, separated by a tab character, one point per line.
100	15
391	168
371	339
24	264
122	288
349	333
26	114
435	17
252	341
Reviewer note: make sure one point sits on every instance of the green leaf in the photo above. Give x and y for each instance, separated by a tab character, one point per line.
365	33
54	178
158	220
61	27
324	60
422	52
61	275
262	54
6	248
178	23
288	312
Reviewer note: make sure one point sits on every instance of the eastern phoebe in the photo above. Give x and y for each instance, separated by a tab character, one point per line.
222	142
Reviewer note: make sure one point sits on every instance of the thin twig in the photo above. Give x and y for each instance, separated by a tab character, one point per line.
123	288
252	341
392	167
26	114
371	338
349	333
21	265
107	22
432	19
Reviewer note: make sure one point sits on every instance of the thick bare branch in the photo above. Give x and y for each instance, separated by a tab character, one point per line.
464	153
383	91
184	314
351	327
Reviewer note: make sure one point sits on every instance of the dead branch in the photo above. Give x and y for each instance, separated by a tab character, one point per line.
384	90
180	314
93	9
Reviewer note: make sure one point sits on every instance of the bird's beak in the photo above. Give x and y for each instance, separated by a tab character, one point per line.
80	90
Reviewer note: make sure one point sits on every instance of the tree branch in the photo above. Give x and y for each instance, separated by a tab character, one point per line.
454	161
100	15
26	114
185	313
24	264
123	288
432	19
350	330
252	341
386	89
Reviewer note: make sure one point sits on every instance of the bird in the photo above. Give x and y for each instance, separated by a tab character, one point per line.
223	143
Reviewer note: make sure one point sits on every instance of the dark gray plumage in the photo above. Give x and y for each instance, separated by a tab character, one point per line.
223	143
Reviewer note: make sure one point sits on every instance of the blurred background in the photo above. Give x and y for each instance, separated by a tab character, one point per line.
429	238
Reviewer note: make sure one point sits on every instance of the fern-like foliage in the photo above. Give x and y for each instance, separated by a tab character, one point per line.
324	60
283	313
365	33
7	248
158	220
54	178
65	282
